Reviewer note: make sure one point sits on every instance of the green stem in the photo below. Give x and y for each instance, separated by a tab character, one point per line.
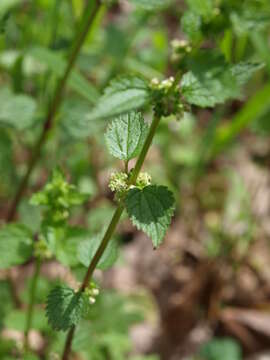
144	151
106	238
29	315
112	226
87	22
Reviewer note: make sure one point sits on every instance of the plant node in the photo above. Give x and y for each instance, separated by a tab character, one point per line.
166	97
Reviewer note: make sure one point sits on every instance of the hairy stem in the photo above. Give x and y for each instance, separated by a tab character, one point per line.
112	226
29	315
55	104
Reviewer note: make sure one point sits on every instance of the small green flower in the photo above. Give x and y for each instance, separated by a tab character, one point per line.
143	180
91	292
58	196
166	97
118	184
41	249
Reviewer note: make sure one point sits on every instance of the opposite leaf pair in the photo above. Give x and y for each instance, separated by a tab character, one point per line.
151	207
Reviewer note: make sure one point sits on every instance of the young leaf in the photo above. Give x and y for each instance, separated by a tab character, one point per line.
88	248
124	94
16	110
16	245
64	307
203	8
191	26
151	210
126	135
151	4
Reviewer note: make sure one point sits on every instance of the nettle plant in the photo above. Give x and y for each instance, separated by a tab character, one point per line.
150	208
199	77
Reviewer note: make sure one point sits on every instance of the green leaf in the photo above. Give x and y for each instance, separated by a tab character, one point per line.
151	210
243	71
16	245
74	119
212	81
225	349
63	242
250	21
64	307
151	4
203	8
126	135
191	26
56	63
16	110
87	249
124	94
6	5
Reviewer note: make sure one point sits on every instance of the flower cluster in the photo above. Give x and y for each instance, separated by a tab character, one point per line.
166	97
41	249
91	292
180	48
143	180
119	183
58	196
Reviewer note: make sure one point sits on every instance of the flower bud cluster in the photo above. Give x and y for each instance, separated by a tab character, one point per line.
92	292
143	180
180	48
41	249
164	85
58	197
166	97
119	183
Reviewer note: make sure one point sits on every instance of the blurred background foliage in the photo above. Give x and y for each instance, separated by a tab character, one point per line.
206	296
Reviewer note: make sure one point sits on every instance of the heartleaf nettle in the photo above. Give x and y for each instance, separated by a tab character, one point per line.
123	94
65	307
211	80
126	135
151	209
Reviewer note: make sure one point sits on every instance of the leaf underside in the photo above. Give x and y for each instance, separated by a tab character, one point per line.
125	136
